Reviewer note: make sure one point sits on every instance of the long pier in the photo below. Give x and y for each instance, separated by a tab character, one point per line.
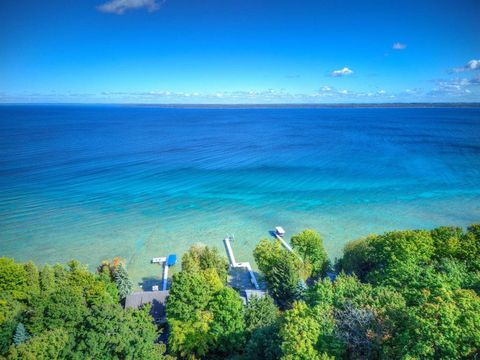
234	264
287	245
284	243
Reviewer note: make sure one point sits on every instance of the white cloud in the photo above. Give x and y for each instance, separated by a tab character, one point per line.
342	72
399	46
457	87
470	66
120	6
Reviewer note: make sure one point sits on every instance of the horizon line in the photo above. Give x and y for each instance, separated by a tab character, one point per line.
254	105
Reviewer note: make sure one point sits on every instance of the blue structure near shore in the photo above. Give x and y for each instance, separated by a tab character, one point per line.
172	259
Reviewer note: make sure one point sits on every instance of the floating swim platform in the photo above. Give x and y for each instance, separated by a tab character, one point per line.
159	260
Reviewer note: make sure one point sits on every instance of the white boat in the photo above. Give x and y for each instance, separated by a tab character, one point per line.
279	231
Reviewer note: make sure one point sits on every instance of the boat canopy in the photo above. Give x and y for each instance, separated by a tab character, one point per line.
172	259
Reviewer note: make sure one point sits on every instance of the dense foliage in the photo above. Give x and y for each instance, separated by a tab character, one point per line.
411	294
206	318
70	313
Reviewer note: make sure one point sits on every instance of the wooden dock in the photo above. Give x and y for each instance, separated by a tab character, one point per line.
165	276
284	243
234	264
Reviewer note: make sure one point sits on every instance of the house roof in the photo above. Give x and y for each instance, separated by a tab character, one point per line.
158	299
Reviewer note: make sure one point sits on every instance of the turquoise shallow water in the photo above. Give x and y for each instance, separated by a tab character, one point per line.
93	182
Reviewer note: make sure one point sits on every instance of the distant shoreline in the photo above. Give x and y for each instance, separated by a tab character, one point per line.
267	106
315	106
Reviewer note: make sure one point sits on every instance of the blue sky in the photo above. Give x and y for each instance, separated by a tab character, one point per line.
232	51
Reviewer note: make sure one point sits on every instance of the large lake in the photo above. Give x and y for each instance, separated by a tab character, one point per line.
92	182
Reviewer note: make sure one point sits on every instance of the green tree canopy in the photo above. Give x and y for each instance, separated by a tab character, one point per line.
299	334
283	271
111	332
13	279
444	327
228	323
47	279
201	257
49	345
309	245
260	312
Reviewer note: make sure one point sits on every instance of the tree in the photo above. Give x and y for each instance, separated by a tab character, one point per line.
111	332
284	281
123	282
13	279
356	326
191	339
397	249
33	284
469	249
21	334
190	292
267	254
188	318
446	240
63	308
357	258
228	324
47	279
283	271
264	343
444	327
354	316
47	346
72	314
201	257
10	312
309	245
260	312
299	334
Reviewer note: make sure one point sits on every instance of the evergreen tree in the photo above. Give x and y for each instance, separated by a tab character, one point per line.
284	281
260	312
21	334
123	282
47	279
33	285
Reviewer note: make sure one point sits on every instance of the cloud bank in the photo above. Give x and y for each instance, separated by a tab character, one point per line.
120	6
456	90
342	72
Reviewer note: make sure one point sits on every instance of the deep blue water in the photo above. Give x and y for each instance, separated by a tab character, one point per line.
92	182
